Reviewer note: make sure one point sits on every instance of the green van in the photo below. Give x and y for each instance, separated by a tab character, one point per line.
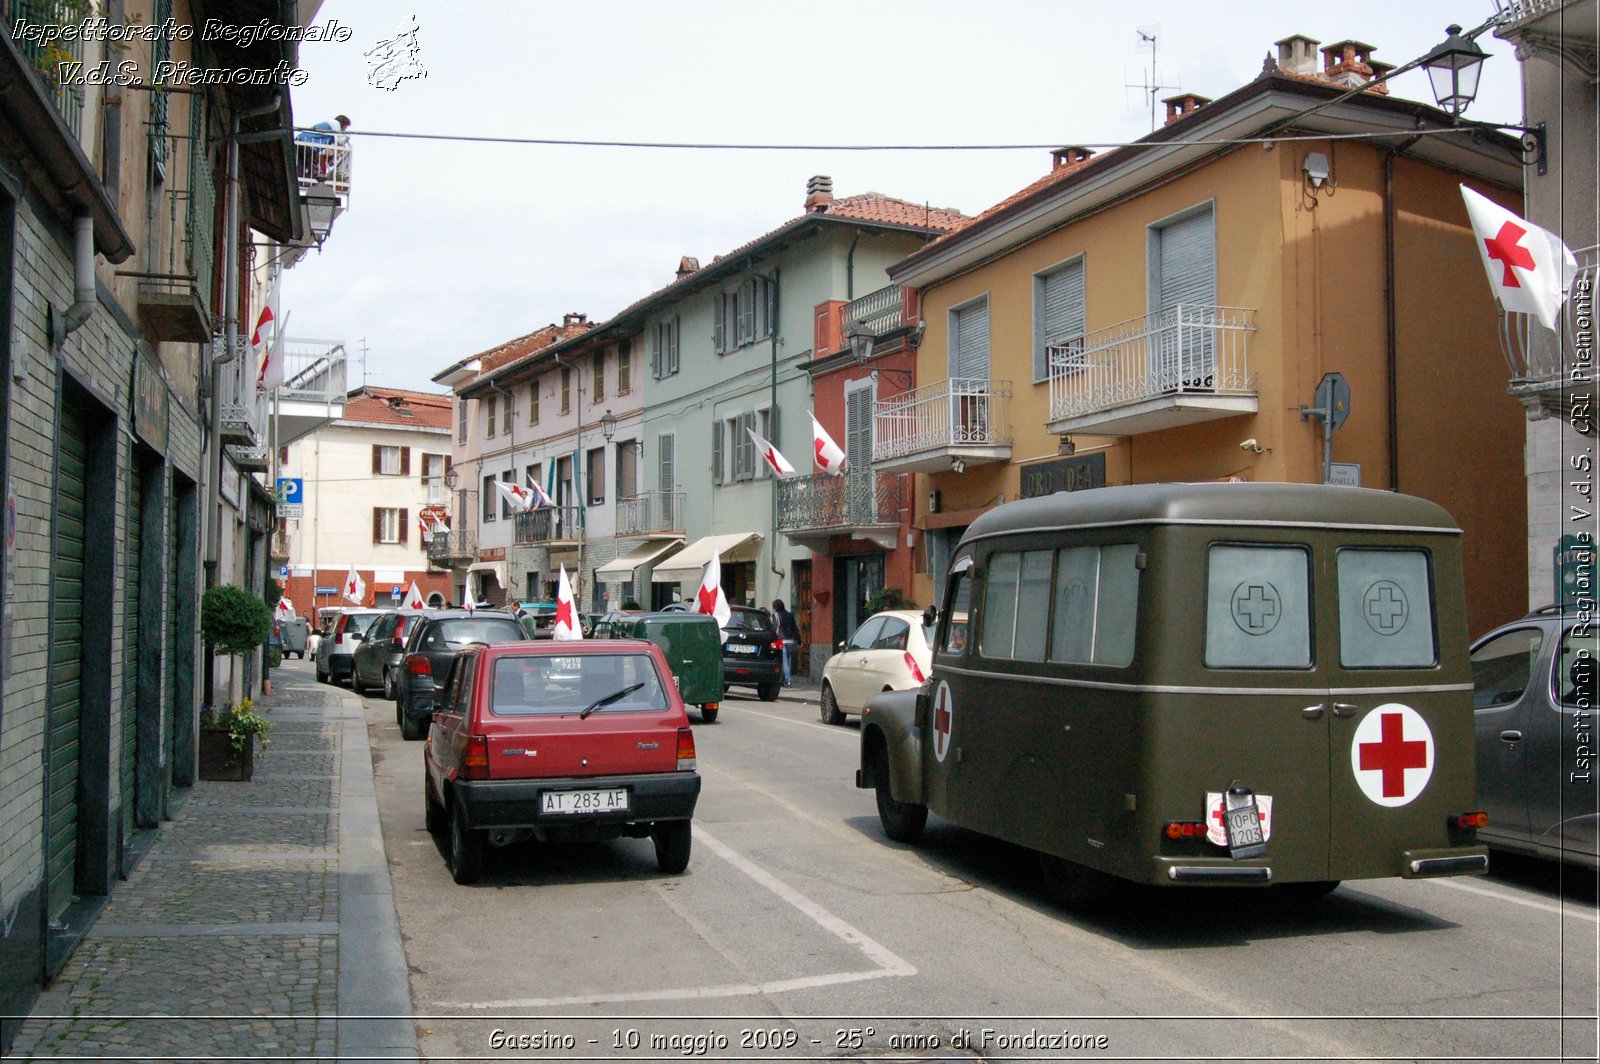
692	643
1204	684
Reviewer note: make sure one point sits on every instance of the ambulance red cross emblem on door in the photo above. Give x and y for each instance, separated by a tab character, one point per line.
943	716
1391	754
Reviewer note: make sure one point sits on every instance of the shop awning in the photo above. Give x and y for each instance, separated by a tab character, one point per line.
689	564
497	568
620	570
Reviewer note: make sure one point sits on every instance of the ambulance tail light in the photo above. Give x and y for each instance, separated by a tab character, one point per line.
1184	829
685	749
1464	827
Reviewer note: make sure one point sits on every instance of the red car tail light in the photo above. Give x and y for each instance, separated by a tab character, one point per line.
685	749
419	665
916	673
338	629
475	759
777	646
399	632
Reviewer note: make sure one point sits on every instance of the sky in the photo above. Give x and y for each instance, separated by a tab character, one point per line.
448	249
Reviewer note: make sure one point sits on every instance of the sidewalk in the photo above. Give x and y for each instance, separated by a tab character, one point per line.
260	923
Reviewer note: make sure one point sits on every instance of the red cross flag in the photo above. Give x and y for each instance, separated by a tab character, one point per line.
828	456
519	497
539	498
355	588
711	599
414	599
285	610
567	625
1530	269
780	465
1391	753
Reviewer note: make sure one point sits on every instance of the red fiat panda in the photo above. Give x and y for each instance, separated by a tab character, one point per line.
560	741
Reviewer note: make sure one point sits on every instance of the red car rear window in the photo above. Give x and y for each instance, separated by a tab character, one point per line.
533	684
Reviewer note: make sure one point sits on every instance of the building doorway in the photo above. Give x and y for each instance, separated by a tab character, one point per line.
856	578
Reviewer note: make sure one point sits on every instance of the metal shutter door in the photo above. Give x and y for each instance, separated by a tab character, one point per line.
1187	276
66	661
1061	313
971	333
133	544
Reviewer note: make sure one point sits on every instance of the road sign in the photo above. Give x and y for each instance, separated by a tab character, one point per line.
283	572
1333	399
1345	474
290	493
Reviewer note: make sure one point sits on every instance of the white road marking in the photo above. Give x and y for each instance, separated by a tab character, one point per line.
1560	910
888	964
815	725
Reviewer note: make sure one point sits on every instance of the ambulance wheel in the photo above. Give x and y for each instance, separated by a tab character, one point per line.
830	706
902	821
1073	884
1309	891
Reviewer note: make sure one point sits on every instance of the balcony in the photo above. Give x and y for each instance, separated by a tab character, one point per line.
175	296
549	524
243	407
650	514
253	459
452	549
1548	376
47	58
313	389
813	510
878	312
947	424
1180	366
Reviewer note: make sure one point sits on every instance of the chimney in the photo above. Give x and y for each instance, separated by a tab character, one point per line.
1346	63
819	194
1297	55
573	318
687	265
1071	155
1182	104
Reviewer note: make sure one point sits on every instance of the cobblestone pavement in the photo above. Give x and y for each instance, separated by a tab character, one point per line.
258	918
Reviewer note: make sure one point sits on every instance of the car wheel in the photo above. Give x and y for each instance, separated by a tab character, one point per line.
322	677
830	706
672	839
768	692
902	821
388	685
1075	885
433	814
413	728
708	714
466	849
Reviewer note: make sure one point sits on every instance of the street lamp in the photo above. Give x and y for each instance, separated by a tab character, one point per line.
608	429
861	340
451	478
1453	68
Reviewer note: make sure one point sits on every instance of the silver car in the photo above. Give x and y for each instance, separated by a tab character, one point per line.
336	650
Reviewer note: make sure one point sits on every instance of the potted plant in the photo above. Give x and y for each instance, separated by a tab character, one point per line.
232	622
227	740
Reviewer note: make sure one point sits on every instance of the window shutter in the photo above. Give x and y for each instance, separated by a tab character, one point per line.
655	350
405	461
624	367
1059	314
405	525
716	452
858	430
745	308
672	359
666	462
377	459
1186	264
719	330
377	525
970	358
447	463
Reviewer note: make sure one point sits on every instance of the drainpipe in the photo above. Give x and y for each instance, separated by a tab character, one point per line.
777	306
850	268
230	311
83	286
1391	344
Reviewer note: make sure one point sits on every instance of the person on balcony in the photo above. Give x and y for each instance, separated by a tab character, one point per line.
326	161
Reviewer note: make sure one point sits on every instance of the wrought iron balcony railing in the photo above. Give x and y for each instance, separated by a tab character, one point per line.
944	415
243	407
823	501
46	58
879	311
445	547
551	524
650	513
1548	370
1182	349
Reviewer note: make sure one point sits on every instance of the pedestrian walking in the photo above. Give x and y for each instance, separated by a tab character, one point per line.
789	632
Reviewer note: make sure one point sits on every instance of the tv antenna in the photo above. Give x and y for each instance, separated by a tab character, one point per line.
1151	85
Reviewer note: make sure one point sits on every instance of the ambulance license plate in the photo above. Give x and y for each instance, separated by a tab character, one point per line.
1243	824
595	801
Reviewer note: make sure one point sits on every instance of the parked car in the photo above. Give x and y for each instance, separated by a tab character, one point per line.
382	647
1533	690
692	645
294	633
336	649
430	648
752	653
615	754
891	651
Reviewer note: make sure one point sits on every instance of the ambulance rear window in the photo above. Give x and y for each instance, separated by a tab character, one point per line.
1385	609
1258	607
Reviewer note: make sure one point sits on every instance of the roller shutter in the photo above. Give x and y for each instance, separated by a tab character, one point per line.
66	660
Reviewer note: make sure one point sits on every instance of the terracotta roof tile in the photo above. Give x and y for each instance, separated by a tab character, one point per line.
398	406
534	342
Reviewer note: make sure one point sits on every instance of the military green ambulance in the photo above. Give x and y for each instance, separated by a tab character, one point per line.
1239	684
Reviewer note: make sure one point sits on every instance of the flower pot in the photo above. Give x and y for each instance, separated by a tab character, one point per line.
220	761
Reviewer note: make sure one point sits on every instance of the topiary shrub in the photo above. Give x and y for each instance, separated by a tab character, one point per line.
233	621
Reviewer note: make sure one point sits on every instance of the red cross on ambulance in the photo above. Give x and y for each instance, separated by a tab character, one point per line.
1391	754
943	716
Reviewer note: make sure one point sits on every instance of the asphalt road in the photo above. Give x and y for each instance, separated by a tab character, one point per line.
800	932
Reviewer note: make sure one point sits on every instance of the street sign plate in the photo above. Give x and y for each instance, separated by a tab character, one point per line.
1345	474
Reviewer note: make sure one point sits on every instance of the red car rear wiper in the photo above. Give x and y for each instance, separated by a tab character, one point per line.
608	699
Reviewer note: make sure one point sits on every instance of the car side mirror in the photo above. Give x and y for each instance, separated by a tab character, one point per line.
841	646
929	616
355	637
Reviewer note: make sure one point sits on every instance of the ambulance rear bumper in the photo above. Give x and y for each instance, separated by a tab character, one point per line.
1459	861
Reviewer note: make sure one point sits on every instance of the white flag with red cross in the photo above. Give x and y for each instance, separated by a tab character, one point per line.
780	465
567	625
355	588
829	458
518	497
285	609
1530	269
414	599
711	599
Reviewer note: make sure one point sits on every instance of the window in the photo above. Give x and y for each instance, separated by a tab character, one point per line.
866	635
1096	603
957	607
1058	318
969	340
624	367
389	525
597	389
894	636
566	389
596	472
1385	609
742	315
434	467
1575	668
507	410
627	461
533	403
1182	255
391	461
664	348
666	461
461	420
1503	667
488	418
1016	595
529	685
1258	607
508	477
489	496
741	459
532	472
858	403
